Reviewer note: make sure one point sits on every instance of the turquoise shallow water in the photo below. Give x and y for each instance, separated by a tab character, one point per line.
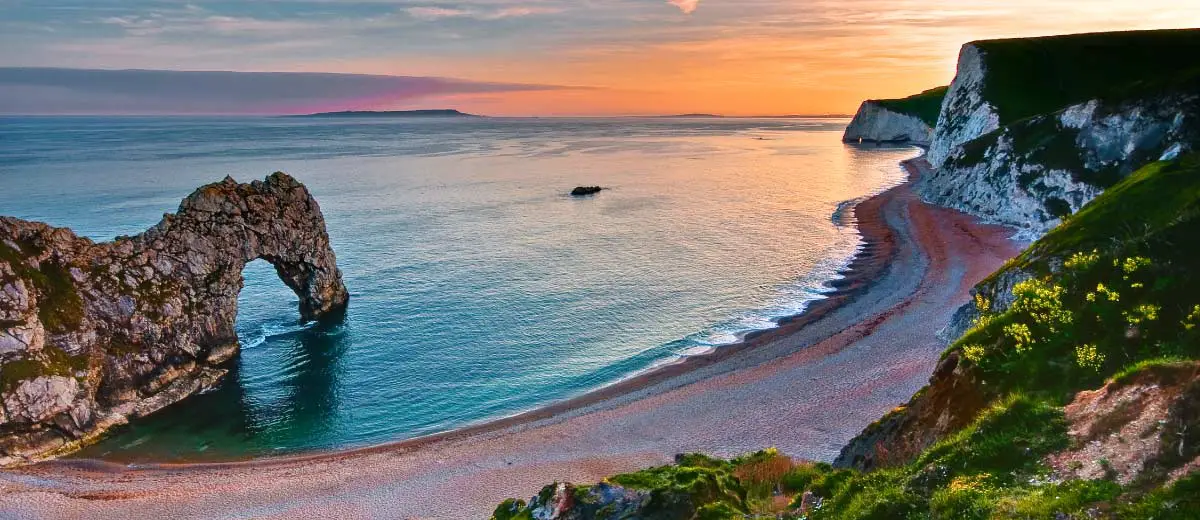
479	289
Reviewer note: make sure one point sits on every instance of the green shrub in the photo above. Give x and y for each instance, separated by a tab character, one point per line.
1180	501
512	509
685	487
1071	499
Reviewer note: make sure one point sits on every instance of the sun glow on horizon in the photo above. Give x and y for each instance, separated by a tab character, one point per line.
756	57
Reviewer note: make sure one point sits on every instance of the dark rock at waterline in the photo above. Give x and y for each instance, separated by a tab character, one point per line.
585	190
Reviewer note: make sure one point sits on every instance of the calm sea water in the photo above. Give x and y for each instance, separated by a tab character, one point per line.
479	289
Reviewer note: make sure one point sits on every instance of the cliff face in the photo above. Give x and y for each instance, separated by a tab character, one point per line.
874	123
1033	129
907	120
1031	174
965	114
93	334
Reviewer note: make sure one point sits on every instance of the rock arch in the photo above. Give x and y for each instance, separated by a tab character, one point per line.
92	334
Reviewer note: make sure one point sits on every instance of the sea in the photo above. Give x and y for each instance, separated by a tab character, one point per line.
479	288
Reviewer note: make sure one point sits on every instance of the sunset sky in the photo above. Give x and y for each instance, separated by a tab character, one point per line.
562	57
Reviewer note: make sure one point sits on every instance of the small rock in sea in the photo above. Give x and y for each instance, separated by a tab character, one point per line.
585	190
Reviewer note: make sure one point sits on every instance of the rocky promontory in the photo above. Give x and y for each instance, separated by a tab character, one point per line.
1032	129
909	120
92	335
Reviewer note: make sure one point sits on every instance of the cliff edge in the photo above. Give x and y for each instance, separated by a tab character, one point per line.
909	120
1032	129
94	334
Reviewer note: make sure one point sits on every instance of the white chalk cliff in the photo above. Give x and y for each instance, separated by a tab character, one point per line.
965	114
1033	172
874	123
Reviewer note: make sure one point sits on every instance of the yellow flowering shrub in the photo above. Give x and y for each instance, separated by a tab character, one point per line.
1082	261
1086	356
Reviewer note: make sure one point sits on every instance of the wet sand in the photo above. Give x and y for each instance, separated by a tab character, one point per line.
806	388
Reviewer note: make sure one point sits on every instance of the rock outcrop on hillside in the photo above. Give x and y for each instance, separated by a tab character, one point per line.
1140	429
93	334
951	401
876	124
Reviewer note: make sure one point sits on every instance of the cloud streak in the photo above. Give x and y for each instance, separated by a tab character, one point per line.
687	6
439	13
31	90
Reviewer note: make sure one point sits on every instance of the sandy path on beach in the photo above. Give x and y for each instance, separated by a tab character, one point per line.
806	392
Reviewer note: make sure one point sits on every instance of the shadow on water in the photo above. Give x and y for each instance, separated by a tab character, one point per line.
281	389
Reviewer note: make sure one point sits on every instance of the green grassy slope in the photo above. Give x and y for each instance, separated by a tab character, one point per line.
925	105
1031	76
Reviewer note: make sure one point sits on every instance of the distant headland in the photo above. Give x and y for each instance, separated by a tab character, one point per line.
391	113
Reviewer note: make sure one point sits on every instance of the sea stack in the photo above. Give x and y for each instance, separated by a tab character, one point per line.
94	334
585	190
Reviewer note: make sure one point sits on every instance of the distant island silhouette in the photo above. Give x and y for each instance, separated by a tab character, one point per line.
392	113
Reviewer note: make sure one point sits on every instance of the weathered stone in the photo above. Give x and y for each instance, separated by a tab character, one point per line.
91	333
38	399
1142	428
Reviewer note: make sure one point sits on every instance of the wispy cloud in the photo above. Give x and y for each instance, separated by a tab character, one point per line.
687	6
494	13
28	90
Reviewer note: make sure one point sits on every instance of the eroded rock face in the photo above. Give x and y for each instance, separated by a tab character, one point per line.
949	403
1142	429
91	334
874	123
1031	174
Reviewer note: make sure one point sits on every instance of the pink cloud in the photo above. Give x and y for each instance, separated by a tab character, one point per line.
687	6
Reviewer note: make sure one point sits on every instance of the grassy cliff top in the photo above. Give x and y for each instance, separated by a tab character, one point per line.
925	105
1031	76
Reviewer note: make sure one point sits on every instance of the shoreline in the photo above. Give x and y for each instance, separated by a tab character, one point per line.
866	265
806	387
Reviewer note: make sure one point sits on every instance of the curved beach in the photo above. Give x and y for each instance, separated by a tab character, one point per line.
805	387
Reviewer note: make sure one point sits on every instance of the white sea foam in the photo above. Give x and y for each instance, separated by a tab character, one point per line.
269	330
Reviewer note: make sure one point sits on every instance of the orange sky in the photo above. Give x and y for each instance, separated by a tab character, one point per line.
799	57
743	57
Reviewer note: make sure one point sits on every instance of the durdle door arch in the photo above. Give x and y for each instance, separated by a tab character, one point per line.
93	334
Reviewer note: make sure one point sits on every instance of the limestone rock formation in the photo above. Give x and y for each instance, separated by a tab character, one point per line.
876	124
1032	129
563	501
966	114
1031	174
93	334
